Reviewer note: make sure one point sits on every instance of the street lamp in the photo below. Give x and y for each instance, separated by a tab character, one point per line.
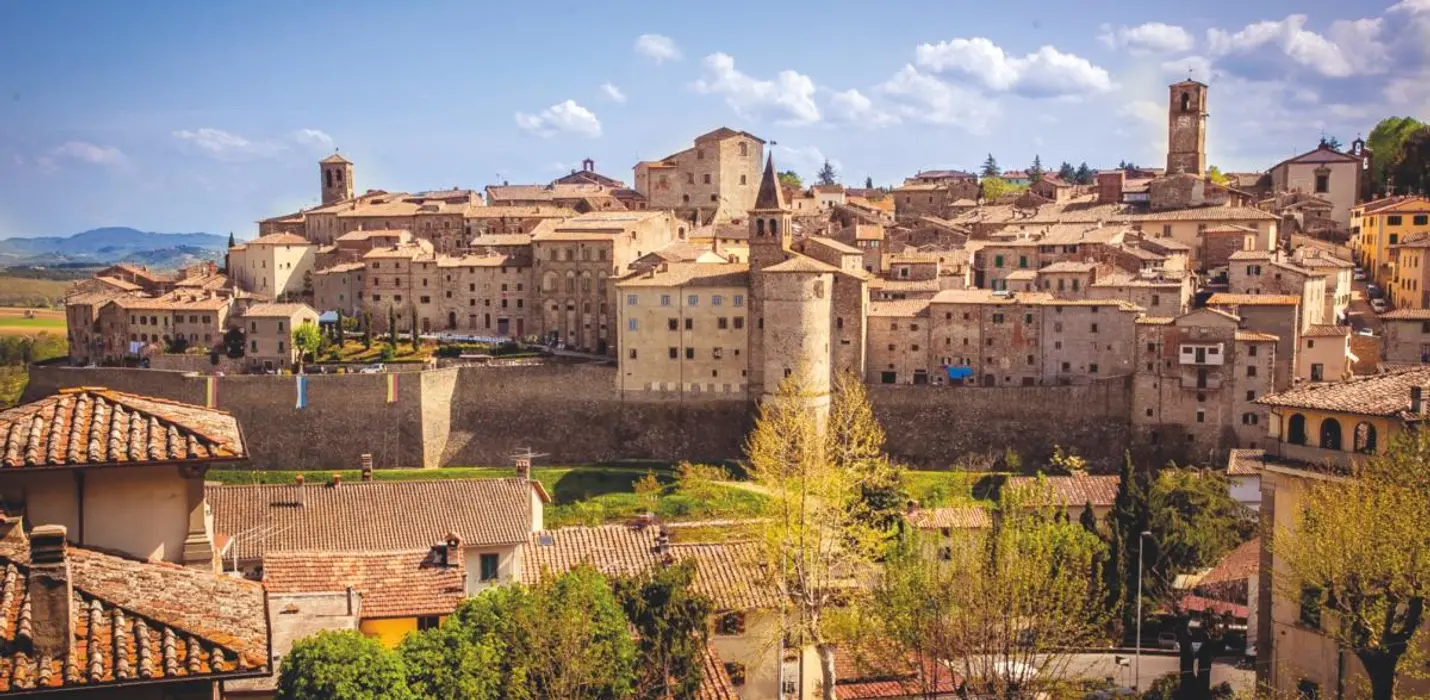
1137	672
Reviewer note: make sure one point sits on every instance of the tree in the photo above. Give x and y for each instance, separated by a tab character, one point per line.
813	537
1004	608
1035	173
1215	175
566	637
367	330
1331	142
826	174
392	327
231	242
868	183
671	623
1384	142
1067	173
1194	523
233	342
306	340
1357	550
990	167
1410	165
993	188
1084	174
791	179
855	444
648	490
342	665
1088	519
339	332
1125	524
416	340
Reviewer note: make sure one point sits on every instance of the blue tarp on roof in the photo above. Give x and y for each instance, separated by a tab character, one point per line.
957	373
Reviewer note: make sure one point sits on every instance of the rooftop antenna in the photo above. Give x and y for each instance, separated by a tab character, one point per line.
522	459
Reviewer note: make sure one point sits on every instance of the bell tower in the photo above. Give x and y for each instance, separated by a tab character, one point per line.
1187	128
337	178
771	231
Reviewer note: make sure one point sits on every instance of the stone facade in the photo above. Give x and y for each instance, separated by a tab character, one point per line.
1187	128
715	178
1325	173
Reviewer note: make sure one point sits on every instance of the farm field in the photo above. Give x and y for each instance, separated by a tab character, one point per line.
13	321
32	292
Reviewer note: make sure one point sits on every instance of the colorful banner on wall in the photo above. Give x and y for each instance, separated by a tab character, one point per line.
211	391
391	387
302	391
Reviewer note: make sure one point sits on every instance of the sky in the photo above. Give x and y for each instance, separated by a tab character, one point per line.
206	116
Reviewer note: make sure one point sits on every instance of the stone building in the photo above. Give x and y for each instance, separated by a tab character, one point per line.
269	334
1187	128
485	295
340	288
1279	316
1409	286
684	329
1323	172
715	180
275	266
1197	378
400	284
1406	337
134	326
337	179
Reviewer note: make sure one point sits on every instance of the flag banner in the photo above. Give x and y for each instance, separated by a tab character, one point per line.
211	391
302	391
392	387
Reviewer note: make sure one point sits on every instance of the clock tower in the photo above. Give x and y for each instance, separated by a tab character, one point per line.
1187	128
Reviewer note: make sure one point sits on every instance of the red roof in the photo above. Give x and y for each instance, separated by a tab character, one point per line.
392	584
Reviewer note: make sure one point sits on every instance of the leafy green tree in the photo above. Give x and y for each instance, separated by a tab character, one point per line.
233	342
392	327
1215	175
855	444
1067	173
1084	174
1358	549
993	188
671	623
416	340
790	178
990	167
1035	173
1088	518
648	490
306	340
342	665
1125	524
1384	142
1331	142
231	242
1194	523
827	174
339	332
1410	166
367	330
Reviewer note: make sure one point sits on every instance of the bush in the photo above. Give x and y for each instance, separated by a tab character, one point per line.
342	665
387	354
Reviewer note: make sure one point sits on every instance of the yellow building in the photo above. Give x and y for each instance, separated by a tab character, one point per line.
1409	286
1379	224
1318	431
683	328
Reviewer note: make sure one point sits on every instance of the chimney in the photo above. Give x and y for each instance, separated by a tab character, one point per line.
51	593
451	550
1416	404
337	479
367	466
662	541
523	466
298	489
1109	186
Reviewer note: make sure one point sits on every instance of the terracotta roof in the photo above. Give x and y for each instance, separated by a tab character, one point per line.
1242	563
1206	214
879	673
477	260
277	310
902	308
1326	332
341	267
1224	299
729	573
1250	255
1256	337
117	283
1076	490
682	274
392	584
277	239
801	263
1155	320
94	426
715	683
1406	315
1196	603
951	517
134	622
501	239
1069	266
835	245
335	158
1385	394
373	516
1245	462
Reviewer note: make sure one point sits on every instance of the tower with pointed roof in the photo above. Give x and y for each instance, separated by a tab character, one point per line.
337	178
1187	128
770	224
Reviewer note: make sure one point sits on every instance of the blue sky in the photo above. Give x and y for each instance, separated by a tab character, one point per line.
206	116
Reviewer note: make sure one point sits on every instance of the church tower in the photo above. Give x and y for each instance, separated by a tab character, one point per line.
1187	128
337	178
771	231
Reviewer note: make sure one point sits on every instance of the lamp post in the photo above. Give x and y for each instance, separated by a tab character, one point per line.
1137	672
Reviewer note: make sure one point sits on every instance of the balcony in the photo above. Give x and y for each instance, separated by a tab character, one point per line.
1202	354
1199	379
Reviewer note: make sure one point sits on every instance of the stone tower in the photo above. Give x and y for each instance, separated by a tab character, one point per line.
797	303
337	178
1187	128
771	229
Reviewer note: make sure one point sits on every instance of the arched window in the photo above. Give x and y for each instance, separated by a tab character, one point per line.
1296	430
548	282
1365	438
774	227
1330	434
328	177
1186	102
759	227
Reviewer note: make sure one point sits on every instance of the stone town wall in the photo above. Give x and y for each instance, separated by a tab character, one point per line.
480	415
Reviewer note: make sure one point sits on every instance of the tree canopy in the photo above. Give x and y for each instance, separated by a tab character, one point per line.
1384	142
1410	167
1035	173
790	178
1084	175
827	175
671	622
1215	175
990	167
306	340
1067	173
994	187
342	665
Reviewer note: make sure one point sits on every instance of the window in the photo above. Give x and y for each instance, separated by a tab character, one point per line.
997	261
1092	368
1392	220
1421	219
630	300
280	346
1251	351
631	324
426	300
633	353
739	322
1094	326
673	324
1308	690
690	353
1296	429
1251	396
489	567
1251	371
428	622
1318	372
739	300
1310	606
689	324
1330	434
1323	183
692	300
1365	438
716	299
722	323
730	624
997	318
717	353
674	353
1250	419
253	346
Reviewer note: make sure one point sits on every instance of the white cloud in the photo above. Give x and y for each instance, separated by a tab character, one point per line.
224	145
854	107
1411	6
311	137
612	92
924	98
788	99
805	160
86	152
564	117
657	48
1145	111
1353	48
1046	72
1194	67
1152	37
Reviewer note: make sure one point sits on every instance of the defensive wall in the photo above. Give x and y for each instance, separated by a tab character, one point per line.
573	413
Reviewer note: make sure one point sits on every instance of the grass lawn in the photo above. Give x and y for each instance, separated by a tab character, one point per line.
13	322
945	488
353	351
581	494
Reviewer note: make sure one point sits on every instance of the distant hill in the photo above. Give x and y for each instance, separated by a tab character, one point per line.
114	244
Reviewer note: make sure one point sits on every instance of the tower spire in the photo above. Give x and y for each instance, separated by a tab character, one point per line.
770	196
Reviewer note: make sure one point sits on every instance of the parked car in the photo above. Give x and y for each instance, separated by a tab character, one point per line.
1359	275
1373	291
1378	305
1167	640
373	369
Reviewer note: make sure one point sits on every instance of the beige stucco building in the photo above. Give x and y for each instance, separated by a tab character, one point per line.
269	334
276	266
1325	173
683	329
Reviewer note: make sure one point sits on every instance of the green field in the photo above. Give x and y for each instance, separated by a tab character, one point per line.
28	291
